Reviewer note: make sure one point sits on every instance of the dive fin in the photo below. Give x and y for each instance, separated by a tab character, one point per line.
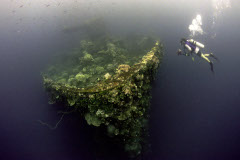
211	64
212	55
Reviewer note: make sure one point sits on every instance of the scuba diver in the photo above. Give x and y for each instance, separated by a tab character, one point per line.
194	46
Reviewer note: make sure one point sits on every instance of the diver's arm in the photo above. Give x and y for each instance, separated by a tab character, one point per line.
190	40
186	53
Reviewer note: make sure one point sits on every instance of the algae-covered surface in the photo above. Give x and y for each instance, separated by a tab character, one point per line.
97	60
107	80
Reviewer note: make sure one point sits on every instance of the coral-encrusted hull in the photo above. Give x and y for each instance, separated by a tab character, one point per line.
120	103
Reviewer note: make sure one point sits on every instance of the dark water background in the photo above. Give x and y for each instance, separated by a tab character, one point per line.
195	115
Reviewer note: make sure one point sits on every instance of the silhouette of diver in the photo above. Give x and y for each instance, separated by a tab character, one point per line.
194	46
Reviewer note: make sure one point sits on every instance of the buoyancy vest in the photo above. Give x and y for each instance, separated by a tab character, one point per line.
193	47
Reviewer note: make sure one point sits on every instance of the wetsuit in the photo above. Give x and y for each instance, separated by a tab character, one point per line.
194	46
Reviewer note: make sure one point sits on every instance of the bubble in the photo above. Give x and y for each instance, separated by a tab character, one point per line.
196	26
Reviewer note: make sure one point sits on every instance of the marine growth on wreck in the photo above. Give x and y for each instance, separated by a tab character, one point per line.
108	80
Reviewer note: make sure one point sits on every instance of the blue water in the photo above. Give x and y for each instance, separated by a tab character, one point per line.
194	113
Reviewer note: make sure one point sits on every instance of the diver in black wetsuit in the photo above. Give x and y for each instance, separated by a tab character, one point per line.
194	46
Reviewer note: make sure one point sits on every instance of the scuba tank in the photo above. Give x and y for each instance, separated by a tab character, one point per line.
197	43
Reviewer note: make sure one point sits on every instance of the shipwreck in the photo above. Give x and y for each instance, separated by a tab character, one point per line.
107	81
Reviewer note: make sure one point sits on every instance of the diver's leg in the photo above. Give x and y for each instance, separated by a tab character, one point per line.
212	55
205	56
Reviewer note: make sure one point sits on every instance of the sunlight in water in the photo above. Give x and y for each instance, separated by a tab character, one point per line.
218	7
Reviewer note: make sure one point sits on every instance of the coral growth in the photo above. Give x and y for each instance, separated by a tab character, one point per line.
110	87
